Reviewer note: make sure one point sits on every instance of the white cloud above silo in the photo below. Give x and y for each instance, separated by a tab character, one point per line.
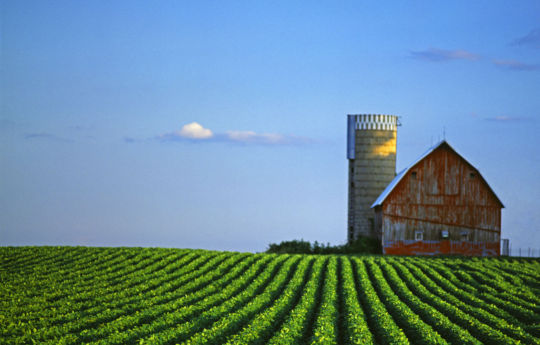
194	130
257	138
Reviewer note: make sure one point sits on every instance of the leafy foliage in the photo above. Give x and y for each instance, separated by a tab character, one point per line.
73	295
363	245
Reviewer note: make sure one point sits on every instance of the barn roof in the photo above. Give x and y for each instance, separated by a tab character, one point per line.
403	172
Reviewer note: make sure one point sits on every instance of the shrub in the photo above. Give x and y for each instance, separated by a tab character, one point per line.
363	245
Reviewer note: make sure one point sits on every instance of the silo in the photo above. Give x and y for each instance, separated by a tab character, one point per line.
371	151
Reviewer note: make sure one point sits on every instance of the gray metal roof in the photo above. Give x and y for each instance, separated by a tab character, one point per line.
403	172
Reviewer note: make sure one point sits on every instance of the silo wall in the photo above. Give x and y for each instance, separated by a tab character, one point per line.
371	151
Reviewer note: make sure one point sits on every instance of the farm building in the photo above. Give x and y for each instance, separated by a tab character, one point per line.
439	204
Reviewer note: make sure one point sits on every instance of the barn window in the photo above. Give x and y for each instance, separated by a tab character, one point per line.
464	236
418	235
413	175
444	233
472	175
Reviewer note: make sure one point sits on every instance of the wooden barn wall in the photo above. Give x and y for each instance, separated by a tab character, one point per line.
446	190
401	229
441	193
398	239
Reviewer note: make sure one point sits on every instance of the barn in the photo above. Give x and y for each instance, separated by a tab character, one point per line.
440	204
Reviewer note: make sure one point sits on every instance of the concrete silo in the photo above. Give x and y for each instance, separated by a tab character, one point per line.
371	151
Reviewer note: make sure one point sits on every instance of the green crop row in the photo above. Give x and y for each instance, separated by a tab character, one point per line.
492	282
225	297
294	327
354	318
263	324
385	328
85	298
63	295
127	301
325	327
233	321
415	329
163	311
489	314
474	294
97	308
437	297
438	320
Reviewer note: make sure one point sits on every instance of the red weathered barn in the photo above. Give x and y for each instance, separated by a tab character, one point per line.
440	204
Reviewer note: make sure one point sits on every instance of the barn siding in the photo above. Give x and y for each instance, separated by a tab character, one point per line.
441	192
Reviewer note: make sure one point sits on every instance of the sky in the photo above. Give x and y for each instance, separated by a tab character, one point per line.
222	124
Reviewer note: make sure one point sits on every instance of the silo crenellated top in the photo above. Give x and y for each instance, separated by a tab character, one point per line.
374	122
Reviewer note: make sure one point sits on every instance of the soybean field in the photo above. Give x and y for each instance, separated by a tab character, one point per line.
79	295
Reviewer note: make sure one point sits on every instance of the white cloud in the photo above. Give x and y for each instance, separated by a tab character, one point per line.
531	39
252	137
516	65
504	118
47	136
195	131
437	55
241	135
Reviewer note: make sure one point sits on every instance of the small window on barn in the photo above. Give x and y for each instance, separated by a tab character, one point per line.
444	234
352	184
418	235
413	175
472	175
464	236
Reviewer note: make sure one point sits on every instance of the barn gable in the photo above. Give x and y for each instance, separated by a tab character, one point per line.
440	204
440	145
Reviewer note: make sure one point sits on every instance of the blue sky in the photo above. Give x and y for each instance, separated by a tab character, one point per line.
95	96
